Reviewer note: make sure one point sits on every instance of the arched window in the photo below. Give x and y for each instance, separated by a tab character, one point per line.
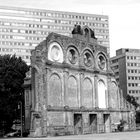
88	58
55	52
114	95
86	32
101	94
72	94
55	91
72	55
101	61
87	93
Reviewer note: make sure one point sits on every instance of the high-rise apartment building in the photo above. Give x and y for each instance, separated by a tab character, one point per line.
21	29
126	65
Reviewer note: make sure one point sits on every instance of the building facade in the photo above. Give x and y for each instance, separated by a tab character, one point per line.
21	29
73	89
126	65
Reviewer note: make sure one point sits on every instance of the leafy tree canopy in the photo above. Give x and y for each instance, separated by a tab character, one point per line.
12	73
132	100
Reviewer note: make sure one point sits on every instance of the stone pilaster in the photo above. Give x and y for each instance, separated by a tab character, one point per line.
96	90
44	107
93	92
65	76
81	88
48	71
108	92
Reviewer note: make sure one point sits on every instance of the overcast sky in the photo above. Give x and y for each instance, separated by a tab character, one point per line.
124	18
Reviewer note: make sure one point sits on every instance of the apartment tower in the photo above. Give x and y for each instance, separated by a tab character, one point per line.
21	29
126	65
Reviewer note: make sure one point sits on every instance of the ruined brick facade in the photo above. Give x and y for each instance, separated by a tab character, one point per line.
73	90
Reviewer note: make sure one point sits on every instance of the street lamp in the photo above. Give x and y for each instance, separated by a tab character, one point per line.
20	107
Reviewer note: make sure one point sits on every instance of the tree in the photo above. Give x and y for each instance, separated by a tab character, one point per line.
132	100
12	73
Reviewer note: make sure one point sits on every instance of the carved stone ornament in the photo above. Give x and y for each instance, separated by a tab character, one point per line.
55	52
72	56
87	59
101	62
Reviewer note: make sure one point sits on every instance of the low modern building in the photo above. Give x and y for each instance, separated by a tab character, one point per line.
21	29
126	65
72	89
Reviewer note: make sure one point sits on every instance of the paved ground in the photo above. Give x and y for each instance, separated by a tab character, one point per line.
106	136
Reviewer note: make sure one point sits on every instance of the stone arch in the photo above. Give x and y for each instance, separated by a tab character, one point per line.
87	93
55	52
88	57
87	49
55	73
101	60
102	53
72	54
101	94
55	90
71	45
114	95
72	92
86	31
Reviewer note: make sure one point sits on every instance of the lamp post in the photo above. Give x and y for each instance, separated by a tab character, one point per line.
20	107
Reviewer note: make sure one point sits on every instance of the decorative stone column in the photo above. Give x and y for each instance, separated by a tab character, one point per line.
44	107
65	82
81	88
65	76
96	90
48	71
108	91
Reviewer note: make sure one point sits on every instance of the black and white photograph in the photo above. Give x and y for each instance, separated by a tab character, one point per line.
69	70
